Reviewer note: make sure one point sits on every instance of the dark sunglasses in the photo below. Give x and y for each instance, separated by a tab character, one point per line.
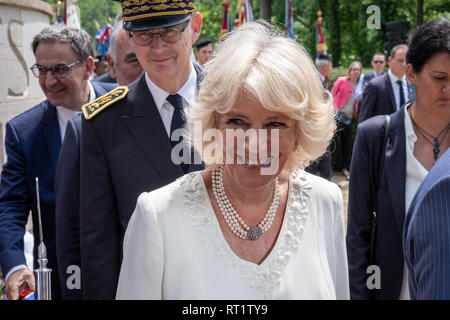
378	61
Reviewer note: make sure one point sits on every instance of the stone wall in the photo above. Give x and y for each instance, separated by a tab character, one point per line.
20	21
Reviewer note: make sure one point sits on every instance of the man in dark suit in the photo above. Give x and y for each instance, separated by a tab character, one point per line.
32	143
126	147
387	93
67	195
426	235
378	63
382	190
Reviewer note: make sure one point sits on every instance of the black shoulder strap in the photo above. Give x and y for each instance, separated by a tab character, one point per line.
387	126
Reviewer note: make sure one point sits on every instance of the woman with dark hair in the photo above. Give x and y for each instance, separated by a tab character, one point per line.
346	105
390	160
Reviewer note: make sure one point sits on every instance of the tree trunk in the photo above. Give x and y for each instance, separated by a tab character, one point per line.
335	32
265	11
419	12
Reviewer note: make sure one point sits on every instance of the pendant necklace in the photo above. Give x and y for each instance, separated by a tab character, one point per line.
435	141
233	219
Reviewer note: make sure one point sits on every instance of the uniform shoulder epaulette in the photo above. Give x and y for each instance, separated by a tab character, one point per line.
94	107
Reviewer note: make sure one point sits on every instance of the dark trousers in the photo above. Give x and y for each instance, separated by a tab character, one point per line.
344	134
322	165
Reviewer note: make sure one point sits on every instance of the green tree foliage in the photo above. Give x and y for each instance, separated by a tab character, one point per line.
212	13
344	21
92	11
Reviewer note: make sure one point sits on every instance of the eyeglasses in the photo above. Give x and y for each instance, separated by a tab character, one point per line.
59	71
378	61
169	35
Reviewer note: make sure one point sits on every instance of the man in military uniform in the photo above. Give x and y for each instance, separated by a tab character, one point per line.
125	147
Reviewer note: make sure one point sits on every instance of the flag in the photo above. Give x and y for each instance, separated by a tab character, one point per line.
240	15
226	20
244	12
248	9
102	38
60	12
289	20
321	46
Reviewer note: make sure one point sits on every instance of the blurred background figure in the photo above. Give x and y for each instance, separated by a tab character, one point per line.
388	93
123	65
346	105
101	66
322	165
203	50
324	65
378	63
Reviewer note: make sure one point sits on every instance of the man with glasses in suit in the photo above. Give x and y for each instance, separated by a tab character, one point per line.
64	63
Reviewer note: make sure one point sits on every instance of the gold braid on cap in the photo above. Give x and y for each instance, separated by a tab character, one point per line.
129	3
158	9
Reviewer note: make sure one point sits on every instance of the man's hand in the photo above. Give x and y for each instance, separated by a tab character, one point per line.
17	282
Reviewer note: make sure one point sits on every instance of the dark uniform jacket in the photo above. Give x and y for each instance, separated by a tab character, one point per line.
125	151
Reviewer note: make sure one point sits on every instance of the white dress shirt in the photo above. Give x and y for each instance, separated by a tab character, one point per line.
188	92
395	88
65	114
415	173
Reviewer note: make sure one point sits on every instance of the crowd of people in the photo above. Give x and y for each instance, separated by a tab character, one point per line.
154	176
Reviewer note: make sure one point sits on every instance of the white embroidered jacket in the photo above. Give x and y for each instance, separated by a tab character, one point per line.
174	247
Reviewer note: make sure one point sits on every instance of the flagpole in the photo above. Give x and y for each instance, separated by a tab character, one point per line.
240	12
65	11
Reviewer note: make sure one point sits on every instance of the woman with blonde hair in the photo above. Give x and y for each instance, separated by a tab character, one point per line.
253	224
347	106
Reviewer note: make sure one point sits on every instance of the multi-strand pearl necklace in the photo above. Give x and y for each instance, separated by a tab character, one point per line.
233	219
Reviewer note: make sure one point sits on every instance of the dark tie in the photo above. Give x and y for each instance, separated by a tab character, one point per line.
177	122
177	119
402	96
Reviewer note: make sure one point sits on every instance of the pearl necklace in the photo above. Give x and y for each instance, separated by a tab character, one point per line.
233	219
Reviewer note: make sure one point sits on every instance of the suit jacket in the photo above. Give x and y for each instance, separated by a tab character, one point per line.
390	204
67	210
378	98
426	235
32	144
125	151
105	78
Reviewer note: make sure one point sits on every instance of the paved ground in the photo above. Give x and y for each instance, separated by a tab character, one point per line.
342	182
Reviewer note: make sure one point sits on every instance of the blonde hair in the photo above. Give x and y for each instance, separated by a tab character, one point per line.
258	61
351	66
